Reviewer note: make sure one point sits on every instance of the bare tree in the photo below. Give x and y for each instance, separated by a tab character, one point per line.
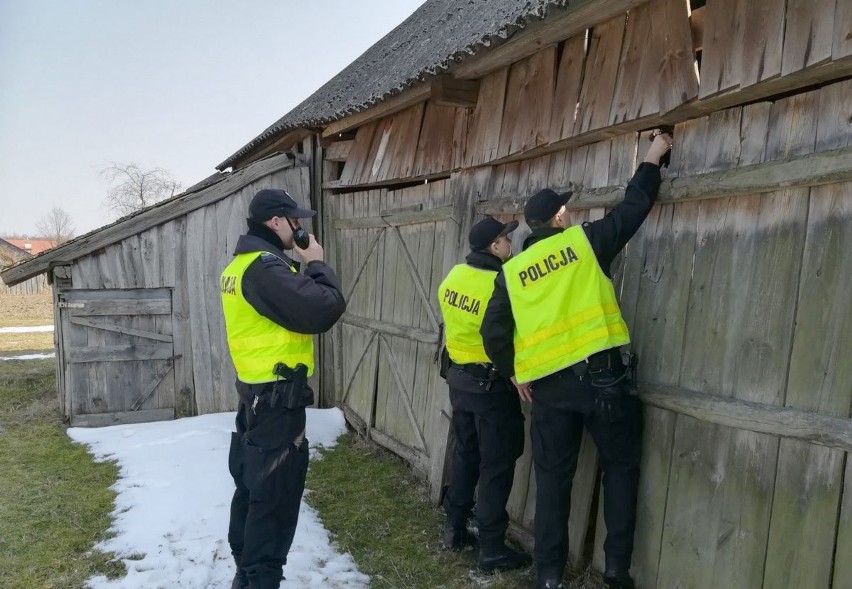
56	226
133	188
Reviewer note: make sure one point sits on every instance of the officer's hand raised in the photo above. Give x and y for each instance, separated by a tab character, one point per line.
312	253
524	390
662	143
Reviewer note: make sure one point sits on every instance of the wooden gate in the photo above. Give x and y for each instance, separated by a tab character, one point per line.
393	249
117	355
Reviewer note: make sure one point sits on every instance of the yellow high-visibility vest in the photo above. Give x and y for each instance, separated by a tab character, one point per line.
564	306
257	344
463	296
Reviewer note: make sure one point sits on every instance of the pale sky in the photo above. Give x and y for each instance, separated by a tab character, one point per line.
179	85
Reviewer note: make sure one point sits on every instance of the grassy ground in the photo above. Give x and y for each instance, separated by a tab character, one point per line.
25	311
54	501
376	510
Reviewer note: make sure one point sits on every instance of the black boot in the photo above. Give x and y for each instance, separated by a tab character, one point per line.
618	579
457	538
240	580
549	584
504	559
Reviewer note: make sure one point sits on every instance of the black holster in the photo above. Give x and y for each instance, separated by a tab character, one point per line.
291	388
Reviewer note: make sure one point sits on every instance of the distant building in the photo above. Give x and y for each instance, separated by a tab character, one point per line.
31	246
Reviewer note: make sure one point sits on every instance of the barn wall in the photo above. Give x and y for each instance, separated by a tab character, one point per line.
733	288
187	254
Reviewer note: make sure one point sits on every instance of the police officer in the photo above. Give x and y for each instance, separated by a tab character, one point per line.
270	311
487	419
554	325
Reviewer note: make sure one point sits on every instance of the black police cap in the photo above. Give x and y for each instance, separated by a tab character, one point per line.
485	232
544	204
271	202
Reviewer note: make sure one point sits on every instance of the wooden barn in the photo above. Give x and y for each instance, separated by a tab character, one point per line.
735	289
138	317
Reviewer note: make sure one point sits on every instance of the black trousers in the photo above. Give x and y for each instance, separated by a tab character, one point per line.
268	460
489	431
562	405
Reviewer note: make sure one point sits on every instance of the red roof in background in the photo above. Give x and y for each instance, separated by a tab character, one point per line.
33	246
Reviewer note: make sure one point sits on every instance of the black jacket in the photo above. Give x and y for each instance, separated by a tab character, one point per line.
305	303
608	236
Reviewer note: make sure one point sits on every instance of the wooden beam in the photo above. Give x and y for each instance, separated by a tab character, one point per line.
696	24
285	142
815	169
151	217
161	337
120	353
116	418
338	151
396	219
576	18
815	428
384	108
448	91
412	333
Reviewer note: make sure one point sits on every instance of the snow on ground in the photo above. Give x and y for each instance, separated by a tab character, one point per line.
30	357
31	329
174	493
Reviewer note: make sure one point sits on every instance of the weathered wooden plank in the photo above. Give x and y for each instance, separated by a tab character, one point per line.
794	424
630	88
385	108
842	45
452	92
569	79
121	417
723	140
339	151
397	159
741	307
358	155
483	137
689	155
721	67
117	353
461	128
121	307
809	34
753	133
763	42
792	126
435	145
529	103
807	490
622	159
120	329
677	73
834	118
600	74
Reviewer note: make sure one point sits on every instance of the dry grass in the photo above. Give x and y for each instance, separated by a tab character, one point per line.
26	310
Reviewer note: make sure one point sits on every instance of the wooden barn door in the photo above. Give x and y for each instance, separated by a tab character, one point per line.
394	247
117	355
